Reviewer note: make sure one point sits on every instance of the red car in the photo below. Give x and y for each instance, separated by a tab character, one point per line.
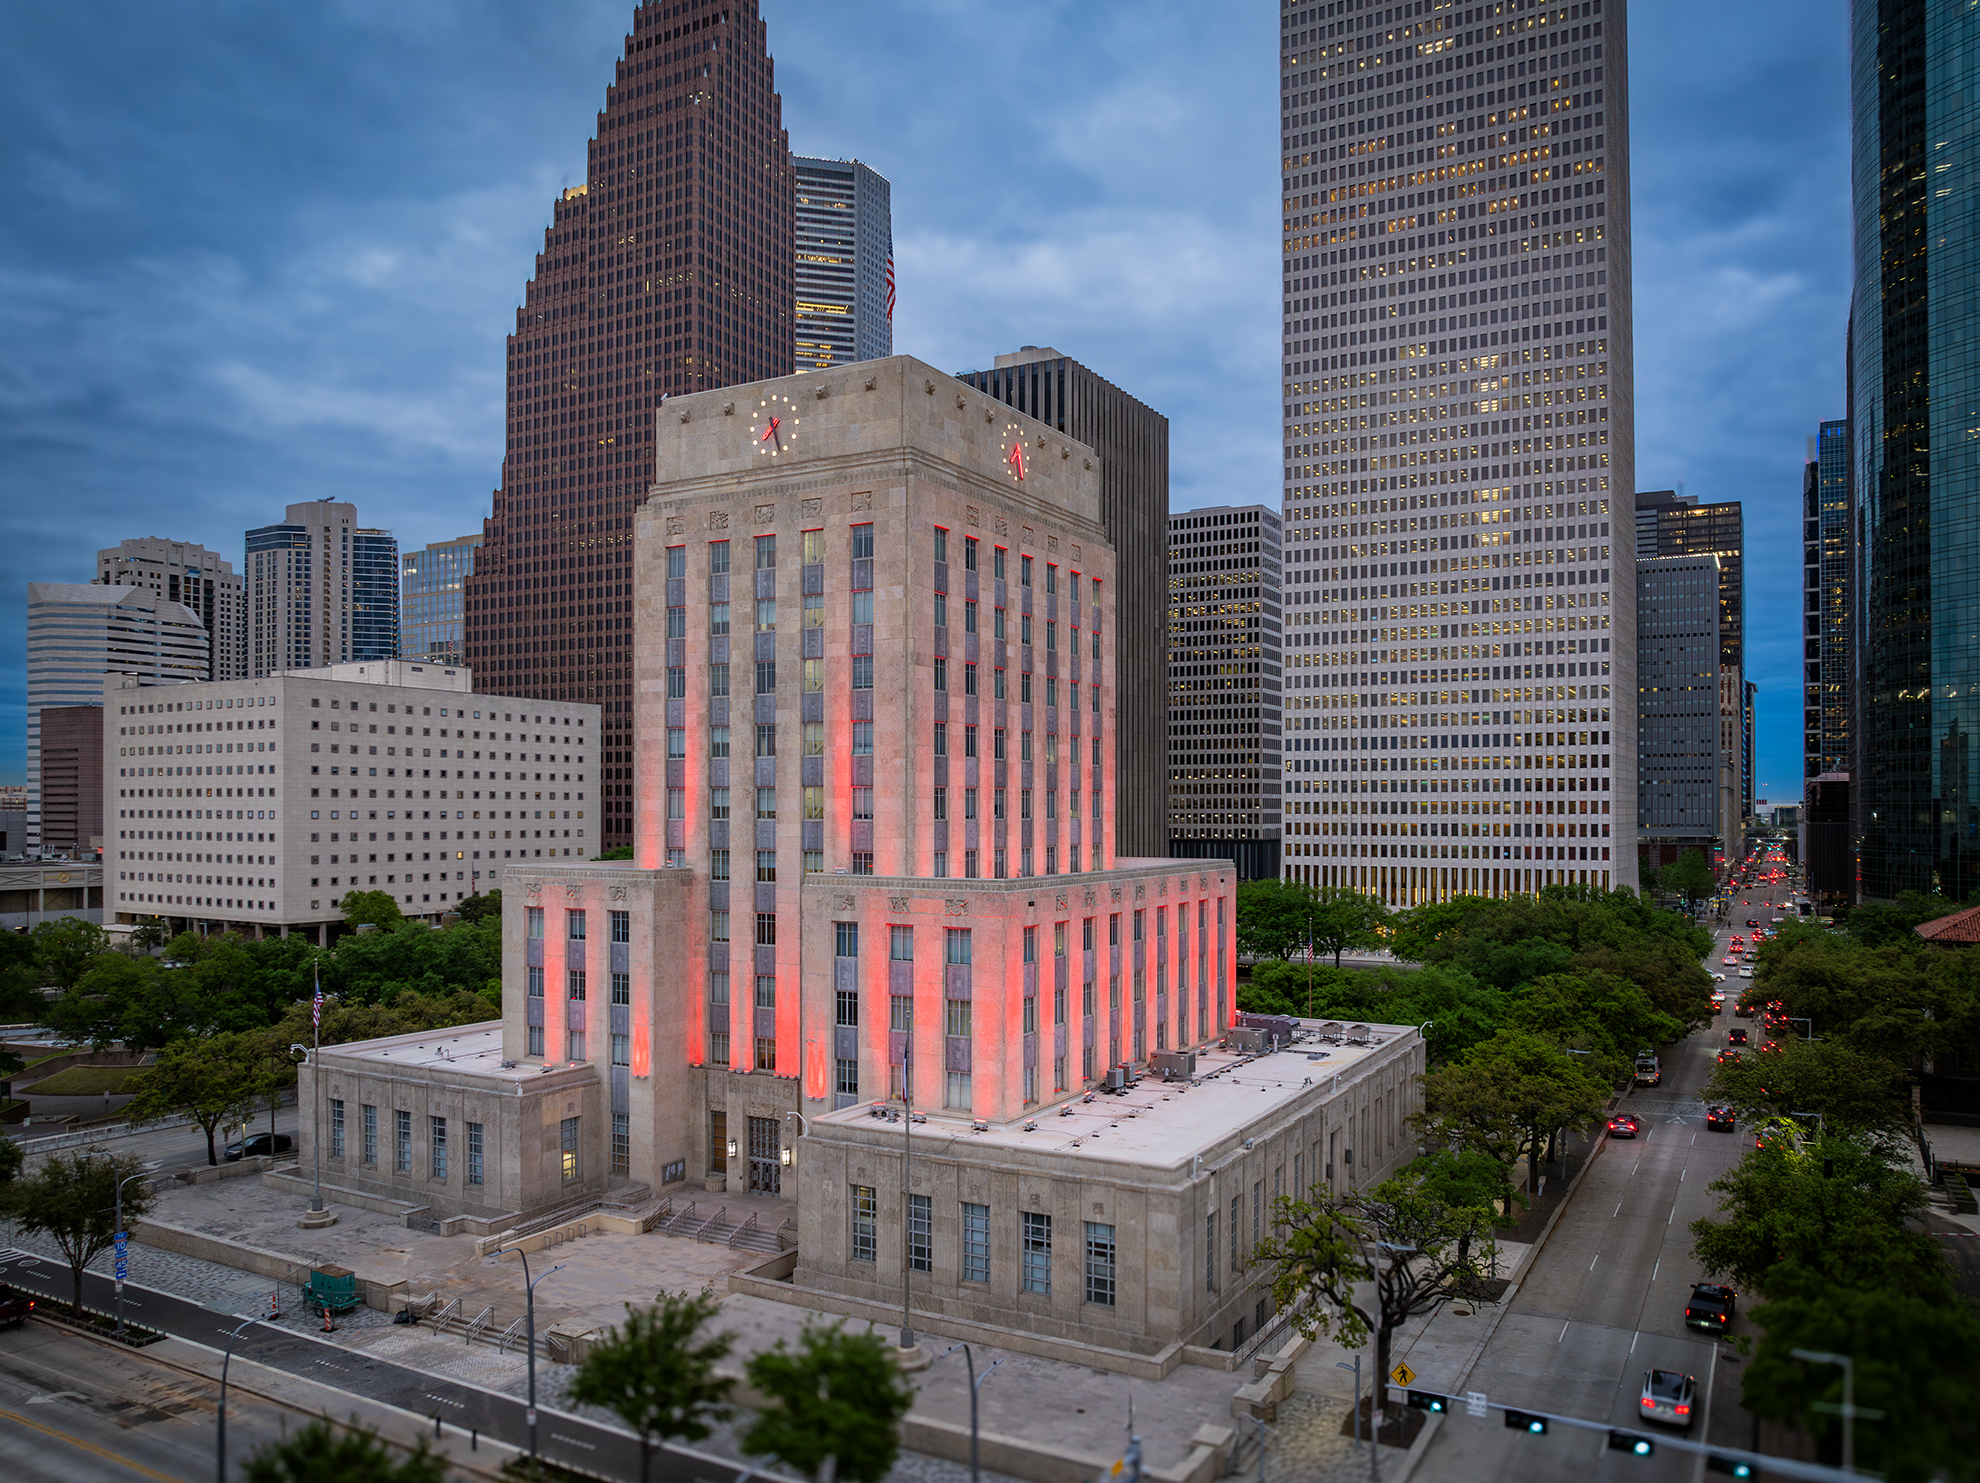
1719	1120
1622	1125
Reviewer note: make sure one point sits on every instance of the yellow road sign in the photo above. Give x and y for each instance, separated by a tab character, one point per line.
1402	1374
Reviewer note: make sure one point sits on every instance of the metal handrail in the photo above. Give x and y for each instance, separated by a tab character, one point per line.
513	1331
684	1217
439	1317
477	1326
788	1225
748	1225
713	1220
658	1215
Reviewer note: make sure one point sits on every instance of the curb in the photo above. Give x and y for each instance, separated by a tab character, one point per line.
493	1474
1417	1448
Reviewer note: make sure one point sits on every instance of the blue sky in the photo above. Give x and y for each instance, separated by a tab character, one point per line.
253	254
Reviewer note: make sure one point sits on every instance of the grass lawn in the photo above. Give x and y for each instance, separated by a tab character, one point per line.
83	1081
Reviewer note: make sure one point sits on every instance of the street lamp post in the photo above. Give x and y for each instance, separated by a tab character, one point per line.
315	1120
120	1246
975	1385
529	1312
220	1434
1848	1407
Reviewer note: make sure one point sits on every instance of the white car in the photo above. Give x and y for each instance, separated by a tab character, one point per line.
1718	978
1746	973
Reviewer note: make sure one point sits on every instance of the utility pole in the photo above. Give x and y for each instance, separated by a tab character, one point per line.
529	1312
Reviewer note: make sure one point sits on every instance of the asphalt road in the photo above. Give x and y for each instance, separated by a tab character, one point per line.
290	1348
1604	1302
171	1148
72	1411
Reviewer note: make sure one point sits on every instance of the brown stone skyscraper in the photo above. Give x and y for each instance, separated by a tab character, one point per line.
669	270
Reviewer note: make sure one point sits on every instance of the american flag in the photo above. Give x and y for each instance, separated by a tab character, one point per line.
890	278
316	1007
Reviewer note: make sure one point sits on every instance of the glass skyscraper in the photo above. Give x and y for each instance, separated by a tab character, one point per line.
374	595
1828	604
1461	650
433	580
1914	385
845	250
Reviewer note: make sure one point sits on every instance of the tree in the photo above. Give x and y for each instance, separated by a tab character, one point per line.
20	981
1404	1236
1851	1091
148	936
1341	919
322	1453
1505	1097
376	908
72	1199
1691	877
654	1377
10	1163
211	1081
1836	1212
616	852
1271	917
835	1404
479	907
1597	1012
65	948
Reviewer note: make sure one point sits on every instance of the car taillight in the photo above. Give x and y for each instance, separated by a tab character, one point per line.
1684	1410
1648	1403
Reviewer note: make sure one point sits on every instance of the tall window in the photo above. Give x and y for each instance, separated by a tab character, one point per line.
474	1153
921	1234
865	1221
621	988
900	944
621	1143
533	920
336	1127
437	1139
576	977
569	1142
402	1142
1037	1274
957	943
1210	1252
1099	1263
370	1121
975	1234
956	1092
575	921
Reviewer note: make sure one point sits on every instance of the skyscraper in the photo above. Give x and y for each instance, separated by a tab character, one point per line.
80	632
1671	524
1133	442
1828	606
433	582
845	245
668	270
1459	444
183	572
1917	490
320	590
1224	657
1687	771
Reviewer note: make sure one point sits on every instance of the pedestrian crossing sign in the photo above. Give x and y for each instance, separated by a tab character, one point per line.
1402	1374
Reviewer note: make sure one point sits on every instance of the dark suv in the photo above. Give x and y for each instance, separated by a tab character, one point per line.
1711	1307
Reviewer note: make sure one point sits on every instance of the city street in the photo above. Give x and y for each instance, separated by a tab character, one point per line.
1604	1301
167	1148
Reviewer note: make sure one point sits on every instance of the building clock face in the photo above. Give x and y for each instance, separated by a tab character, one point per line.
774	427
1016	456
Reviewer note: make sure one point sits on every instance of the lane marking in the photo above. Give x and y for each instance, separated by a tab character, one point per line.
1632	1340
1562	1334
90	1447
1672	1216
1598	1257
1617	1211
1656	1269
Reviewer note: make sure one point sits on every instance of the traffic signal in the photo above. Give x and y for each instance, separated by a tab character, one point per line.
1738	1468
1428	1400
1634	1443
1525	1422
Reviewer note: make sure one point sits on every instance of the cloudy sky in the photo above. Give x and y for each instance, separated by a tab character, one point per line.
258	253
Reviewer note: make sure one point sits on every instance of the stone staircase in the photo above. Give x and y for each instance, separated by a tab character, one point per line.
705	1222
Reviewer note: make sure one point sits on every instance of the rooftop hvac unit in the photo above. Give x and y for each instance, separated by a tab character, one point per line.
1175	1064
1278	1026
1249	1042
1116	1078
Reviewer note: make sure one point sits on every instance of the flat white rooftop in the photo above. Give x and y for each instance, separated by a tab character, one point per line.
1160	1124
468	1050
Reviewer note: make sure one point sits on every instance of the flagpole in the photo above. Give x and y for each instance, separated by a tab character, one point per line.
316	1078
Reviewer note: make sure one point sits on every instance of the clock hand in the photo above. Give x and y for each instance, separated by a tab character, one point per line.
771	432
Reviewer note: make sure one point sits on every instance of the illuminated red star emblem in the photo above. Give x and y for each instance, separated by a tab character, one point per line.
1016	460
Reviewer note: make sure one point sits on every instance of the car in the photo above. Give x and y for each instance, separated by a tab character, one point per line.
1745	1010
1751	921
1712	1306
1736	1035
1720	1120
1649	1071
1667	1397
1718	978
1731	1057
15	1307
1747	971
1622	1125
259	1146
1737	940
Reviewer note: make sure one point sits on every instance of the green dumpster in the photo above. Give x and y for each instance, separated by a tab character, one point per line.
332	1290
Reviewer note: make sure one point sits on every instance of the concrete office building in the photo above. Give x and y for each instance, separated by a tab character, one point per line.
247	805
321	590
433	588
71	775
202	580
1914	313
844	307
1671	524
1224	698
80	632
1687	772
888	804
650	283
1459	445
1133	443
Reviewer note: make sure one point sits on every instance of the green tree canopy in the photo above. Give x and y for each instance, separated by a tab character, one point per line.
370	908
1597	1012
322	1453
656	1376
1851	1091
1506	1096
1690	876
479	907
833	1400
65	948
212	1081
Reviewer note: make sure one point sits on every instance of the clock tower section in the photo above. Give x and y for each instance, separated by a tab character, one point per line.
669	270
